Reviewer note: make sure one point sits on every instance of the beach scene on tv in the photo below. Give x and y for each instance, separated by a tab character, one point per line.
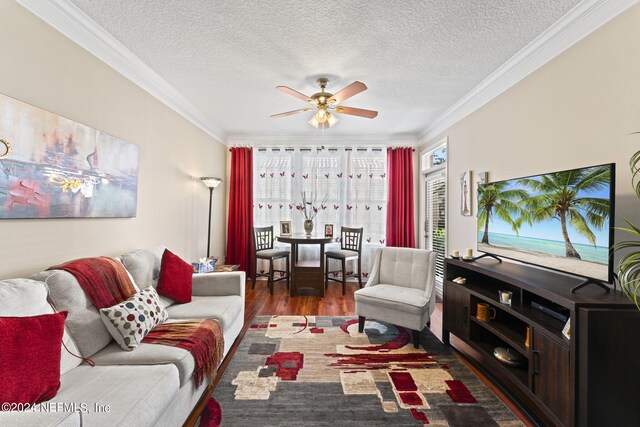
558	220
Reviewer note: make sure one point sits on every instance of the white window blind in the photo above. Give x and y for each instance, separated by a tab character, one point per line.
435	231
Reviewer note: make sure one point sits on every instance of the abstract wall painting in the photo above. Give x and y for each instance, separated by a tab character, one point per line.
58	168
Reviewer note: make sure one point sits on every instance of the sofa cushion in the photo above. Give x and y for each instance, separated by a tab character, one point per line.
144	267
131	320
390	296
30	363
136	395
27	297
225	309
175	280
148	354
84	322
23	297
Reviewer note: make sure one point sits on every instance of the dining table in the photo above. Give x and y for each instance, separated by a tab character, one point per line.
307	276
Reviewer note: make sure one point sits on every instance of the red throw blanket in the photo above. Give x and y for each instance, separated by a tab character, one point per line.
104	280
202	338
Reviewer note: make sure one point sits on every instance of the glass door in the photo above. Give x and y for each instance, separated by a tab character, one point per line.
435	221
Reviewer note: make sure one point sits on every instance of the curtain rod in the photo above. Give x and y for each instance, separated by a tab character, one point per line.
322	148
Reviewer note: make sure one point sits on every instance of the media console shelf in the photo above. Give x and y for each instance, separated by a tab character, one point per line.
592	379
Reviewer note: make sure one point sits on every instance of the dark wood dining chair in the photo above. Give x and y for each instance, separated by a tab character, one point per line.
350	250
263	249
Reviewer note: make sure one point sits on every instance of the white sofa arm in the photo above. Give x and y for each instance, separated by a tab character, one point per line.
218	284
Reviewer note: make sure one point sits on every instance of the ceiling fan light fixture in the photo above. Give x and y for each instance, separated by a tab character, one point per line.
324	101
326	120
332	119
322	114
314	122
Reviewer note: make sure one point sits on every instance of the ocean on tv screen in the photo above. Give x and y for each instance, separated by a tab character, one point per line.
597	254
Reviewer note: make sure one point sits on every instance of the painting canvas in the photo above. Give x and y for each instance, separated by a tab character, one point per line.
58	168
465	193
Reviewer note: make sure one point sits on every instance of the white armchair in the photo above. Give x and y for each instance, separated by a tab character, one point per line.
401	290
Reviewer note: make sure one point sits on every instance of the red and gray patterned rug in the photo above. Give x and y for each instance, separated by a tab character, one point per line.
319	371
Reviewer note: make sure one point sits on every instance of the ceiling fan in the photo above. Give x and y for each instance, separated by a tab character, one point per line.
325	104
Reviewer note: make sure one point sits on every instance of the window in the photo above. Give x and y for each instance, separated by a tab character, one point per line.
354	181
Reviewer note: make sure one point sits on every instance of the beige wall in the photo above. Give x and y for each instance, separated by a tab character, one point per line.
575	111
40	66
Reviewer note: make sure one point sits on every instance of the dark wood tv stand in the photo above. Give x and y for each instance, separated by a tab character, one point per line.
593	379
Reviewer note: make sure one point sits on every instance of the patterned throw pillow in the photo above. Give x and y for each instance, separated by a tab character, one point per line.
131	320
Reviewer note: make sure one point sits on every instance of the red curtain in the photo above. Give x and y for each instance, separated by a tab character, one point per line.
400	230
240	225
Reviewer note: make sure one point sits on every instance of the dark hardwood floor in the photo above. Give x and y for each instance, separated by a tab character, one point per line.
258	302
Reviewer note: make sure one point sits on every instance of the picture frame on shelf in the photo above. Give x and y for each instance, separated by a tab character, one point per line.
285	228
328	230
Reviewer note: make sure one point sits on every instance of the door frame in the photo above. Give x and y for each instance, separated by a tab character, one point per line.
426	169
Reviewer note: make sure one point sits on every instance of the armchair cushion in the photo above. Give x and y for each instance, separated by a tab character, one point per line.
405	267
406	299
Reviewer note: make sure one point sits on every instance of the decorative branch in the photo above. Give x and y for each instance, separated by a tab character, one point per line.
308	208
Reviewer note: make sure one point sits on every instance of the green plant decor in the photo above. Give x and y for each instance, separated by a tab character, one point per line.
629	264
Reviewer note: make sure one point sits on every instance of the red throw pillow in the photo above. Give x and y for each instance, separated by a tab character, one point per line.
175	279
30	361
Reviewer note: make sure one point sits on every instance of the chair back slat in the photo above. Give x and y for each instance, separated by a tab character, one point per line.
351	239
262	238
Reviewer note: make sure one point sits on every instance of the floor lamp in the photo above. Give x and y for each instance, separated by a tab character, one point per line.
211	183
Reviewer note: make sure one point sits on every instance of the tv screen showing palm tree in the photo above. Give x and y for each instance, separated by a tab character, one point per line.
559	220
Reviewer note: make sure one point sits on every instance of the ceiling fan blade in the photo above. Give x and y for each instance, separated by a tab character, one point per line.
369	114
347	92
289	113
294	93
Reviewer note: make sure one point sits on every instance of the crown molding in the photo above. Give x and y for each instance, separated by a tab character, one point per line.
77	26
404	140
578	23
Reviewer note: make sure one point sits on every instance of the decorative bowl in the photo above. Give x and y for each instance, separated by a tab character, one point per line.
508	356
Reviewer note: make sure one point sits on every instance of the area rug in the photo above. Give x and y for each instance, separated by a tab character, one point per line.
319	371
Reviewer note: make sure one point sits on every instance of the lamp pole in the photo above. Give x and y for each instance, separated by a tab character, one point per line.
211	183
209	229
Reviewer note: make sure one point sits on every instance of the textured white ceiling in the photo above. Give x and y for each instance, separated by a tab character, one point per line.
417	57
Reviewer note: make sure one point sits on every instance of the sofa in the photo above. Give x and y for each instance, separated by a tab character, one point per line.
152	385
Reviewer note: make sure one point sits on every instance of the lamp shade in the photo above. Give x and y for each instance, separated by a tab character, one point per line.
211	182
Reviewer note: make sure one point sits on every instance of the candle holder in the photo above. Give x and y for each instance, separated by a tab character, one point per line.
505	297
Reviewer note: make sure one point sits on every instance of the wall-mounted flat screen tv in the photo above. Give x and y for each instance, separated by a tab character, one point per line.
559	220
